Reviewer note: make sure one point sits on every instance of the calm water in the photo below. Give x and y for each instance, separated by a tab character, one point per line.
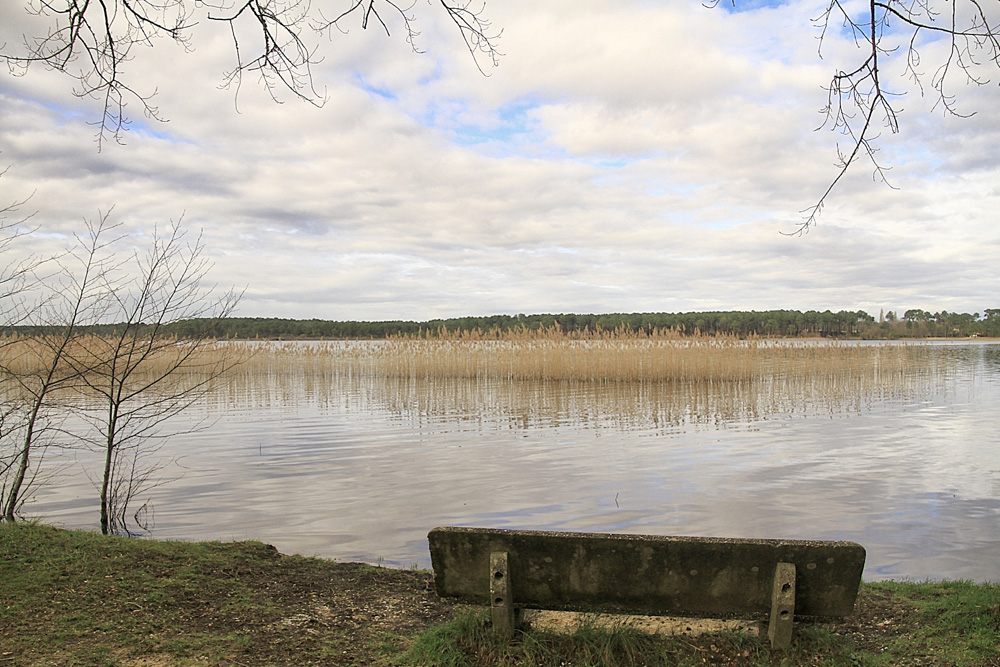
358	469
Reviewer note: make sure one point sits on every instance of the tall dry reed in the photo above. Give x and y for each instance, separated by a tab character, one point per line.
615	377
619	356
547	355
458	372
24	358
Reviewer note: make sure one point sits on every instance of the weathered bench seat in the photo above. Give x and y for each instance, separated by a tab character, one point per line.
645	574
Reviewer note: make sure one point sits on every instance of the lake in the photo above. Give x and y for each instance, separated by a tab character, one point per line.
350	467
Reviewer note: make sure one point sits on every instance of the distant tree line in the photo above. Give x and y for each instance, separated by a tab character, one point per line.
790	323
921	323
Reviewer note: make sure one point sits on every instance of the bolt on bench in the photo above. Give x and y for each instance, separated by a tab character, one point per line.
647	574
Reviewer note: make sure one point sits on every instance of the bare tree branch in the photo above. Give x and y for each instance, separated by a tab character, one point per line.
35	365
859	104
92	41
857	99
283	61
476	30
13	275
95	346
140	376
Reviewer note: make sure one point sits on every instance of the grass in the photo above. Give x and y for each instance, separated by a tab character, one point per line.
959	623
97	594
74	598
468	641
947	623
79	598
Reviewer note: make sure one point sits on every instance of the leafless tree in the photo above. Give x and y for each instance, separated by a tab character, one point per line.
14	279
92	40
138	374
35	365
94	344
892	37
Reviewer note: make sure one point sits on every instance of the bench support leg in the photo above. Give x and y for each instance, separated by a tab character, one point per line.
501	599
779	630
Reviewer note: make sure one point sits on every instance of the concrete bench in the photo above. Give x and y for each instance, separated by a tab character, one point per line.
647	575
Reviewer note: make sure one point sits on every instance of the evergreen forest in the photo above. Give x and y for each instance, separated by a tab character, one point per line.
769	323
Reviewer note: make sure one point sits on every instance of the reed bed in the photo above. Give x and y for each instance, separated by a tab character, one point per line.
615	376
603	357
610	378
525	355
169	365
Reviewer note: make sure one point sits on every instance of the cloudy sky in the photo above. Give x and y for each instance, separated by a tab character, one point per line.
624	156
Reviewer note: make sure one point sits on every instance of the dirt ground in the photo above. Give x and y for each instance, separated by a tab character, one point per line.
359	610
367	605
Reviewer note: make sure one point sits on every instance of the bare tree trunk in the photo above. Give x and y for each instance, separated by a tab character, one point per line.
109	455
13	286
13	499
74	292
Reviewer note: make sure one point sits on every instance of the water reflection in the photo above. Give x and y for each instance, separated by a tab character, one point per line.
320	461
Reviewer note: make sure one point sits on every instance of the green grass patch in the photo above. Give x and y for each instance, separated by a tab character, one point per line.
953	623
95	596
468	641
80	598
947	623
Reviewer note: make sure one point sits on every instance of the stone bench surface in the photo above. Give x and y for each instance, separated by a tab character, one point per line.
646	574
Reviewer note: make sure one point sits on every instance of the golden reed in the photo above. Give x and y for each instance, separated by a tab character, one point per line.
593	356
519	355
620	375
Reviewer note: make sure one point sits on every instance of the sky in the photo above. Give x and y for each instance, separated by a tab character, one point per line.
626	156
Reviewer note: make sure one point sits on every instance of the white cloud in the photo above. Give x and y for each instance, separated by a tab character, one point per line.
624	157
